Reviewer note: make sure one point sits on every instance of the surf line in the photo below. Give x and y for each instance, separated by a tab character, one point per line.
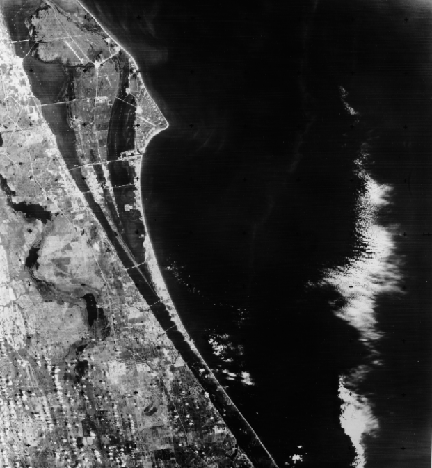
163	309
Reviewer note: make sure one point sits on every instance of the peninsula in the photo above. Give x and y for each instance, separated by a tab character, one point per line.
96	366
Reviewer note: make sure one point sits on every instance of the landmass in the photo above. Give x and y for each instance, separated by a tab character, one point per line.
96	367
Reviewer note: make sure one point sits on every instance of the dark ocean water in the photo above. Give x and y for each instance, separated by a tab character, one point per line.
252	195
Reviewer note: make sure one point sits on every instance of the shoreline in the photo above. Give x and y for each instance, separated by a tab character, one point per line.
204	374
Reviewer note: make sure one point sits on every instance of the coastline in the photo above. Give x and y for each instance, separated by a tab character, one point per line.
199	368
75	216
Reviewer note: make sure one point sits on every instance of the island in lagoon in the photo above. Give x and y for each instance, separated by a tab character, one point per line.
97	368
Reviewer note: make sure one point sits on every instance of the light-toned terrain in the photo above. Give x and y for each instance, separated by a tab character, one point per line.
78	390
